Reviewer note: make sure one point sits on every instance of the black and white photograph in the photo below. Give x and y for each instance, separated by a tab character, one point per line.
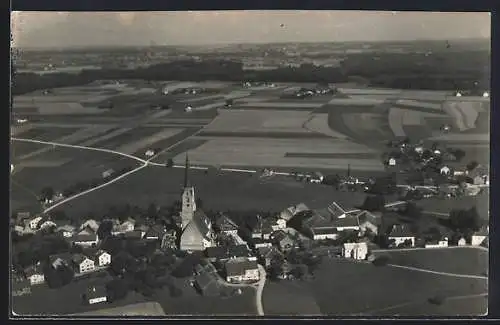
251	163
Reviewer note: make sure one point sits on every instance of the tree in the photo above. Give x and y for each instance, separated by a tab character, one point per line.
465	221
170	163
381	260
47	193
412	211
116	289
374	203
105	229
152	211
473	164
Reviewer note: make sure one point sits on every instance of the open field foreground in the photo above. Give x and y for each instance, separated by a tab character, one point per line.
217	190
346	288
140	309
443	260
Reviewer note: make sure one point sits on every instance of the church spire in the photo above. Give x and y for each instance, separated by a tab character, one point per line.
186	169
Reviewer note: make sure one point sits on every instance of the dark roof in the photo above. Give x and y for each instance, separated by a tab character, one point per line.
238	267
238	251
133	234
324	230
155	231
400	231
32	270
225	223
216	252
96	291
64	257
260	241
84	238
79	258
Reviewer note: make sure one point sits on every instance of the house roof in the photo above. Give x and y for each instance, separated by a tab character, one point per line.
196	230
291	211
79	258
325	230
483	231
96	291
94	225
401	231
84	238
367	216
57	258
238	267
32	270
216	252
69	228
155	231
224	223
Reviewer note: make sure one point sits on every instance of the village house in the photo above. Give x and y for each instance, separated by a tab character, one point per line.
90	224
169	240
60	260
324	233
84	240
292	211
401	235
83	264
155	232
66	231
102	258
263	229
369	222
126	226
224	253
479	237
392	161
437	243
283	240
462	242
357	251
240	270
134	234
225	225
267	254
259	243
33	223
46	223
327	223
35	274
95	295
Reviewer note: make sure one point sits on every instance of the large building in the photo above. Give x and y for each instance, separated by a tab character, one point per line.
197	233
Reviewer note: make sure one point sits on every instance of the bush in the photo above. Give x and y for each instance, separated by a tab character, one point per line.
381	260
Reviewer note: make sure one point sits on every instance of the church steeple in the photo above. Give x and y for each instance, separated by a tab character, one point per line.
186	169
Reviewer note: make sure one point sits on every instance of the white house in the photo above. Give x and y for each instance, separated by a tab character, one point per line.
357	251
125	227
419	150
437	243
445	170
33	224
67	231
83	264
107	173
46	224
35	275
401	234
96	294
102	258
462	242
392	161
280	224
85	240
480	236
92	224
324	233
239	270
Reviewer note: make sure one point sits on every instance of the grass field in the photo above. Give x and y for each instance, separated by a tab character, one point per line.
140	309
481	202
443	260
163	186
287	298
46	133
343	287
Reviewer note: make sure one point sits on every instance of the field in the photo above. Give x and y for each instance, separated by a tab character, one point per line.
295	298
443	260
140	309
481	202
348	288
218	191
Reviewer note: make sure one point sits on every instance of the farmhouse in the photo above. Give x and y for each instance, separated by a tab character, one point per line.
82	263
224	253
290	212
445	170
479	237
66	231
90	224
329	221
127	226
437	243
102	258
34	274
401	235
155	232
264	228
84	240
391	161
95	295
357	251
259	243
284	241
225	225
60	260
46	223
368	222
33	223
239	270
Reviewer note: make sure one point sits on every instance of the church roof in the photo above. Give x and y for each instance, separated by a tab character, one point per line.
196	230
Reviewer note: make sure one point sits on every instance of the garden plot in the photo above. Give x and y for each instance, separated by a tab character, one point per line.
259	121
283	105
272	152
319	123
46	133
145	143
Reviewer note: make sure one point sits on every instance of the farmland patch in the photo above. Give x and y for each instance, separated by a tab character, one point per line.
148	141
46	133
289	298
319	123
358	101
282	105
131	135
322	155
369	91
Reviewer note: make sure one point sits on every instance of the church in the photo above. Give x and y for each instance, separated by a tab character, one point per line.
197	233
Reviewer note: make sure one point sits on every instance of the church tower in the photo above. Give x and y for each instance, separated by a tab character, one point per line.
188	198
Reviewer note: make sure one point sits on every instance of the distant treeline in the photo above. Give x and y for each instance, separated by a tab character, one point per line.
407	71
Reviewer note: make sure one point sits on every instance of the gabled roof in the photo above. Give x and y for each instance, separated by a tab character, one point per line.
84	238
238	267
325	231
367	216
79	258
57	259
32	270
224	223
155	231
483	231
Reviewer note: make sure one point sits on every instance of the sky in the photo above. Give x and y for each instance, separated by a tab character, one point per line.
79	29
